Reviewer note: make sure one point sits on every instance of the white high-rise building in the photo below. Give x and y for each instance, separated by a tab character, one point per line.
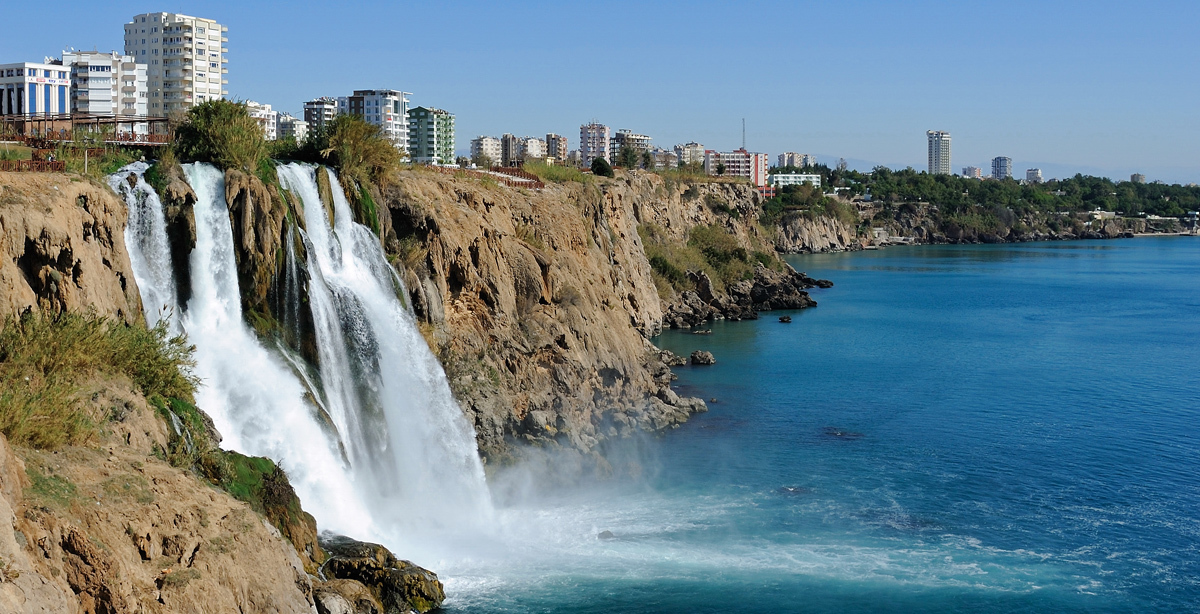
533	148
387	109
486	147
27	88
1001	167
797	160
973	172
939	152
593	142
265	116
690	152
107	84
184	57
738	163
626	138
289	126
1033	175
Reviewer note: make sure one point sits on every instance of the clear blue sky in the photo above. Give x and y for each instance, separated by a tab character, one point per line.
1100	87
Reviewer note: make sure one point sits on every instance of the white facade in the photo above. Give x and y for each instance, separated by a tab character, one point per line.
939	152
28	88
974	172
387	109
107	84
593	142
320	111
1001	167
532	148
1033	175
626	138
797	160
486	146
690	152
664	158
782	179
184	57
265	116
738	163
288	125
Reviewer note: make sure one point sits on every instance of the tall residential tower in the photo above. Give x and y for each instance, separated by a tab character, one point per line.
939	152
184	57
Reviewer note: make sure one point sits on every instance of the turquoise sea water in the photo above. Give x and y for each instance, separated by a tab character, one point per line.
1010	428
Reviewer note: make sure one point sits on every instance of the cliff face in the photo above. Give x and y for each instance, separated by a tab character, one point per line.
540	304
112	529
62	247
801	235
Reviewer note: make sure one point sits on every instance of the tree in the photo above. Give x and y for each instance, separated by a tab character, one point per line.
483	161
223	133
627	157
647	160
601	168
720	168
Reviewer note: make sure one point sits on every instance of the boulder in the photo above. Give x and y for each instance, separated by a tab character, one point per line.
345	597
399	586
702	357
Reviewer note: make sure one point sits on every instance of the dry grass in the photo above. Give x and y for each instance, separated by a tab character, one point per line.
47	361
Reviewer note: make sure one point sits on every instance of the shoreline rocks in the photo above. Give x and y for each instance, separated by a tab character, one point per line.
767	291
362	577
702	357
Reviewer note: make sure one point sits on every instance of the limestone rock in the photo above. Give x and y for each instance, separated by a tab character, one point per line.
702	357
62	247
399	586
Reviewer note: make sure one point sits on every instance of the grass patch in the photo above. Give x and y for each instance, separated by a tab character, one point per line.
555	173
50	491
16	152
129	488
710	249
528	234
45	362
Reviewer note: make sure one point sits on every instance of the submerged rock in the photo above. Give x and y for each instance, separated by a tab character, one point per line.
397	585
606	535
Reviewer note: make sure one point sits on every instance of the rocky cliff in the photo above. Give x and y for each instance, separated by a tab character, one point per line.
62	247
798	234
540	303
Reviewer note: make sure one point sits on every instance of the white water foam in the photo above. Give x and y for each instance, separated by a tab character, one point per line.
148	245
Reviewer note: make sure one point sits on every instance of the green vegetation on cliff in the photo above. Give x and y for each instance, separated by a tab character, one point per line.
48	361
710	249
222	133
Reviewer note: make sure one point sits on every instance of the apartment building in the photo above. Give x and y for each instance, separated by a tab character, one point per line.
28	88
1001	167
1137	178
1033	175
431	136
593	142
107	84
797	160
973	172
556	146
532	148
487	150
738	163
664	158
781	179
387	109
626	138
288	126
690	152
185	59
320	111
510	149
939	152
266	117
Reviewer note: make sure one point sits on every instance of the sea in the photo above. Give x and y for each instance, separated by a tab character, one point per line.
982	428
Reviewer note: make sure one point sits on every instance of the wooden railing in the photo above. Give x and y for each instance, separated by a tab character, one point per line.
32	166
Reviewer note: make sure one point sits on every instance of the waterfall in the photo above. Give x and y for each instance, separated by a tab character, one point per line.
147	243
393	408
373	441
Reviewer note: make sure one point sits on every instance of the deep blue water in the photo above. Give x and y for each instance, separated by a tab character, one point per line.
1006	428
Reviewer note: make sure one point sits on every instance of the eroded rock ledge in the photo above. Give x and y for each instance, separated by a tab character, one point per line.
767	291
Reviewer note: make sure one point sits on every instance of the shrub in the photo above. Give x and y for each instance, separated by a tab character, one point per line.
357	149
222	133
601	168
554	173
46	362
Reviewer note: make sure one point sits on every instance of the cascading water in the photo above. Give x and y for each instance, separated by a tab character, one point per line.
146	240
398	464
386	392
